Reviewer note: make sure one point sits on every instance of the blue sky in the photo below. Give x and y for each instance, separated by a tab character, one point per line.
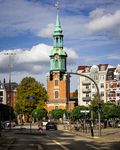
91	31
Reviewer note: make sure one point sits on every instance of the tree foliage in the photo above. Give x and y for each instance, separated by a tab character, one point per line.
75	93
77	114
30	87
110	111
57	113
39	113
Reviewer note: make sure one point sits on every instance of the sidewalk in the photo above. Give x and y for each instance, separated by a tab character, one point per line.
108	134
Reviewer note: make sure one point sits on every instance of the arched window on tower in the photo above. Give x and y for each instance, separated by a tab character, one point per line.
56	63
56	94
56	41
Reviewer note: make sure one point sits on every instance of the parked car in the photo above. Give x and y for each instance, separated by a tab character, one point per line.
7	124
51	125
118	124
2	125
44	124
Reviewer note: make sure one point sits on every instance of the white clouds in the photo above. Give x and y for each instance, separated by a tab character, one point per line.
72	56
105	22
20	16
47	32
38	53
98	12
35	60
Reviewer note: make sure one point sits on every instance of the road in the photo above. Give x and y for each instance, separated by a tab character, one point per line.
56	140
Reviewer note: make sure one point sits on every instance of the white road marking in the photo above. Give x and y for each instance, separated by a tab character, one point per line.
97	148
65	148
40	147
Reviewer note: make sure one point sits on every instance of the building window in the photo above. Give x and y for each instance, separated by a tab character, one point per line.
102	77
118	94
57	40
93	86
1	93
87	95
87	69
56	107
102	85
1	99
102	94
56	94
56	82
87	86
102	68
118	85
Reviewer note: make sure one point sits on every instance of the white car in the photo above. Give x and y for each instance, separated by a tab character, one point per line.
118	124
7	124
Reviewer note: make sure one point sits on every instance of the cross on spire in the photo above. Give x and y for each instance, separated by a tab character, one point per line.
57	5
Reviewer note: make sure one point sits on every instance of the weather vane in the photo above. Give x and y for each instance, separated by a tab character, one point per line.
57	5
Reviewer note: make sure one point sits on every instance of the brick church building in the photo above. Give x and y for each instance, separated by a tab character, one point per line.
58	85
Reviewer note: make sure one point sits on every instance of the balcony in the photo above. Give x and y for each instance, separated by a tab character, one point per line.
86	82
86	90
86	99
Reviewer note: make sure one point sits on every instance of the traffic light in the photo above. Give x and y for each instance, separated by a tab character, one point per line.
61	75
100	107
51	75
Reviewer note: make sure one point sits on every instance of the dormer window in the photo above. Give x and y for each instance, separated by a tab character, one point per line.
86	69
102	68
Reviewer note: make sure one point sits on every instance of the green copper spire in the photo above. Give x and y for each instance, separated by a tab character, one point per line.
57	29
58	55
58	22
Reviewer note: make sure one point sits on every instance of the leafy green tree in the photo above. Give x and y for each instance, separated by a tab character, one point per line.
57	113
30	87
39	113
110	111
75	93
117	112
94	106
77	114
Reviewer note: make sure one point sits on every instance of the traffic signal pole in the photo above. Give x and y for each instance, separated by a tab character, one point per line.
67	91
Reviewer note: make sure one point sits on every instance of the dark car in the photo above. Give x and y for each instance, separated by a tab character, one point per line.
51	125
2	125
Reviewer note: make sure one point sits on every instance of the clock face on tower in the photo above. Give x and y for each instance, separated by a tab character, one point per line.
56	56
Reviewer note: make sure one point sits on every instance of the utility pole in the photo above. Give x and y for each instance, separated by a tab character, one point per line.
9	87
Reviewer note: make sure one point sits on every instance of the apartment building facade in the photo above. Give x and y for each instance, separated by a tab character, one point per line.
113	85
87	88
5	92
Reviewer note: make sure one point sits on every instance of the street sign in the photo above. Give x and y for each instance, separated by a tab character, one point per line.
84	111
31	97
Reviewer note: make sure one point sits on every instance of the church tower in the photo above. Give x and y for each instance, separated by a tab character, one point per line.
56	80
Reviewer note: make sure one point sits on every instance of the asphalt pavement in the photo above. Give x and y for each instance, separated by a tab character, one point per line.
107	135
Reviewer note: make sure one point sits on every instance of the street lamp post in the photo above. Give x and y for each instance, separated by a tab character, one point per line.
98	94
9	91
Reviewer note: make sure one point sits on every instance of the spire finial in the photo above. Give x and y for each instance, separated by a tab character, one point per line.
57	5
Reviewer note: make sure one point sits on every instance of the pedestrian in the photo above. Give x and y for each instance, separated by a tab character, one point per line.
40	128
